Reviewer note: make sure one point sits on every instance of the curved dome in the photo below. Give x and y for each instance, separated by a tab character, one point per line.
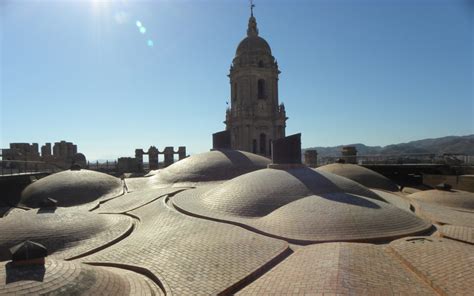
258	193
342	217
361	175
211	166
447	198
301	205
71	188
253	44
72	278
65	233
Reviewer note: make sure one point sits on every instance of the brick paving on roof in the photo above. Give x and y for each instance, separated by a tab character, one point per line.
190	255
445	264
72	278
461	233
339	268
264	233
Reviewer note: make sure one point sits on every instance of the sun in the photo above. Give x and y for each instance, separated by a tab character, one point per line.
100	4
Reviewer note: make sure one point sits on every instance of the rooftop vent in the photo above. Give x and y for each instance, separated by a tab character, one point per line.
75	167
48	203
28	252
443	186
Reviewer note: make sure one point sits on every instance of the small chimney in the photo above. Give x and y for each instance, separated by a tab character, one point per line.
28	253
311	158
349	154
286	152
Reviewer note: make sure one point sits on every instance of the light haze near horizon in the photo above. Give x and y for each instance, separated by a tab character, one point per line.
373	72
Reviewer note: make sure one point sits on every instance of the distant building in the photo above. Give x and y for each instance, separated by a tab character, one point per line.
349	154
21	152
129	165
63	156
46	150
64	152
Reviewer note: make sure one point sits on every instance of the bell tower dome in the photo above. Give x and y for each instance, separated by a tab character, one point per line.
255	117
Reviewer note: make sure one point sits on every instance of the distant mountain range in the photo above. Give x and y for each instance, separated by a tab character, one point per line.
438	146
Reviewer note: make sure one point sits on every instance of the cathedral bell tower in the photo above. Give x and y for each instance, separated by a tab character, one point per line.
255	117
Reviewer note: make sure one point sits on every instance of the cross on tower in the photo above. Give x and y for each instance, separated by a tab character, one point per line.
251	7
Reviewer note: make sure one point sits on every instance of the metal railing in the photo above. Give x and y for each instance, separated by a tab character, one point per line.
107	166
22	167
409	158
17	167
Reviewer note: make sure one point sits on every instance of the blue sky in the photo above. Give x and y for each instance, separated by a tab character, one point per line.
376	72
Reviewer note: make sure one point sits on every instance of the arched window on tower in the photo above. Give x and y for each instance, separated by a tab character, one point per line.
261	89
263	144
254	146
260	64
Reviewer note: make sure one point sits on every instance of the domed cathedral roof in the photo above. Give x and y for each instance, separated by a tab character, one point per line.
253	48
253	44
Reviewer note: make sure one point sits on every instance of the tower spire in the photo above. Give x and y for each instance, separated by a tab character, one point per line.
252	29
